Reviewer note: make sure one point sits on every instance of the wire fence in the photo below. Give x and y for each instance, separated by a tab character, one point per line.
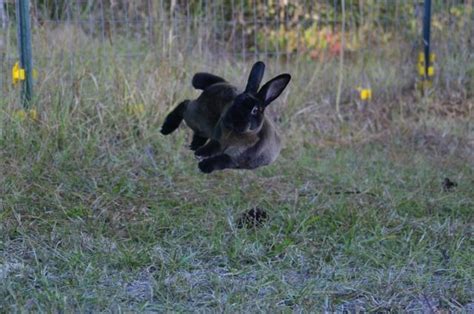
68	33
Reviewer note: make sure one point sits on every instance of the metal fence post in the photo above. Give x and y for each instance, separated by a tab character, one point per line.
24	47
427	35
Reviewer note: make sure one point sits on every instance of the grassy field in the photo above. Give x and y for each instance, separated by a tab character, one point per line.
99	211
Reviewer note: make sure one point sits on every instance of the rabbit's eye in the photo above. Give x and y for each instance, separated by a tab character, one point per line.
254	110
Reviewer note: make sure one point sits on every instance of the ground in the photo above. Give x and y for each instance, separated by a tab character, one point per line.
91	222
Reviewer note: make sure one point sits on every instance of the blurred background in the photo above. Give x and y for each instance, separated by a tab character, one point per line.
76	40
355	64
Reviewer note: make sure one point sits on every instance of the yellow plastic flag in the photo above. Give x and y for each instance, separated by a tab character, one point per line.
18	74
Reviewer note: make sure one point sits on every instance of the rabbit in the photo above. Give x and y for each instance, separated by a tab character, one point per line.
244	138
203	113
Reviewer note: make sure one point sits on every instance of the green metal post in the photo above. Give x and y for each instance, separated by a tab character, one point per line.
24	47
427	34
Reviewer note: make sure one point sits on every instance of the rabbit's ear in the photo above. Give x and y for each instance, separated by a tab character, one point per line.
273	88
255	77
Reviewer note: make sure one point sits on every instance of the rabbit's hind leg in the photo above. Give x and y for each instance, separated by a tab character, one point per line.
174	118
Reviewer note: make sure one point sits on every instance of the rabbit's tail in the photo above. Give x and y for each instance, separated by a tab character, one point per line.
203	80
174	118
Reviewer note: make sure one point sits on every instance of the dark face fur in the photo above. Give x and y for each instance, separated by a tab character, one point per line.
245	114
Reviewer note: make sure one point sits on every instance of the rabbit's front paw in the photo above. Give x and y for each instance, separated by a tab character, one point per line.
211	148
197	142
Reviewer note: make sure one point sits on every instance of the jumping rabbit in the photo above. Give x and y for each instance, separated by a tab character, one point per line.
241	136
244	138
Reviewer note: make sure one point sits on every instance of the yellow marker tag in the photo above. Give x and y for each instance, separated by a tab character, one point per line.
421	57
18	74
421	69
365	93
33	114
431	71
